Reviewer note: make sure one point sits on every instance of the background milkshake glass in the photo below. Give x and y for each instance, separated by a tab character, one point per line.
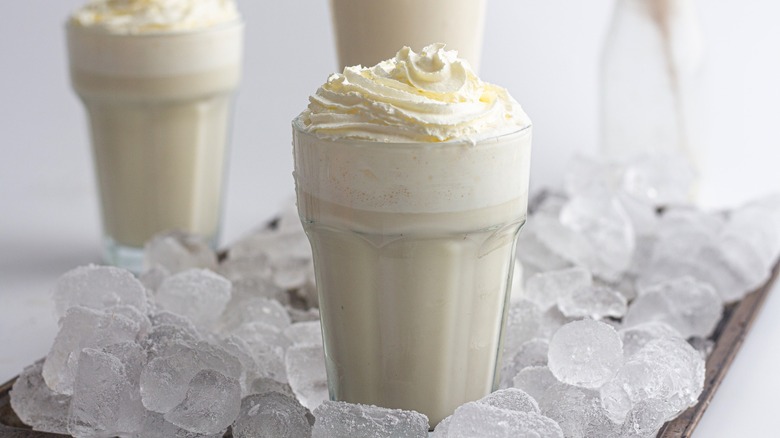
158	86
369	31
413	228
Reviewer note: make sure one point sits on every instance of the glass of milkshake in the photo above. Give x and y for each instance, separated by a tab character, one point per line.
368	31
157	79
412	186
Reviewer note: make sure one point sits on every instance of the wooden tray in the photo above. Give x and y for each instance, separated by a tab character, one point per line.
731	331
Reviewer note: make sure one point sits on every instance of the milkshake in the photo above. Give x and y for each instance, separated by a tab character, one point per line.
368	31
412	186
157	80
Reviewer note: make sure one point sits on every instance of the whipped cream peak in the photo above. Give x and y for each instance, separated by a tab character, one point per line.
155	16
431	96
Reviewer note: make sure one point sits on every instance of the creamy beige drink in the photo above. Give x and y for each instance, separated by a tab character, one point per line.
157	79
412	184
368	31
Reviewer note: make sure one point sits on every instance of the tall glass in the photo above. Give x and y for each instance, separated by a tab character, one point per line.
413	250
159	108
370	31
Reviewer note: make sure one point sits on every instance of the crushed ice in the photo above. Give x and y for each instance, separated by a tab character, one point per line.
607	334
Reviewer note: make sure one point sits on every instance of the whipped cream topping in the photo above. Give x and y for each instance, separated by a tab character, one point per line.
151	16
433	96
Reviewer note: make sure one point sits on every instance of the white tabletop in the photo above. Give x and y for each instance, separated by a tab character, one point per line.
545	53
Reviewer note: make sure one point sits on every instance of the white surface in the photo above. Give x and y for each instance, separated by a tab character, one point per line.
545	53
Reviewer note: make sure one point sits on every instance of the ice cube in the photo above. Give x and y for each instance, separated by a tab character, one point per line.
156	426
534	254
198	294
595	302
249	288
83	328
98	287
212	403
341	419
153	277
256	309
255	267
577	411
262	385
164	379
689	306
545	288
37	405
307	375
479	420
585	353
178	251
513	399
637	336
535	381
523	320
531	353
607	230
267	345
272	415
105	400
551	321
667	369
304	333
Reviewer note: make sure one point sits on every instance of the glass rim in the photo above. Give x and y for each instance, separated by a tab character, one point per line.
72	25
297	125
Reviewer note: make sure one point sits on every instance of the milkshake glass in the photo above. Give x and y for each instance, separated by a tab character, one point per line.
369	31
413	242
159	97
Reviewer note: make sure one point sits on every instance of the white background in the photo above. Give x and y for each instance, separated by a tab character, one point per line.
545	52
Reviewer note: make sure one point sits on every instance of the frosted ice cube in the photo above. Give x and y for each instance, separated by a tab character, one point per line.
105	401
637	336
341	419
595	302
262	385
267	345
666	369
37	405
577	411
523	320
155	426
531	353
256	309
299	315
247	268
604	225
83	328
585	353
178	251
212	403
198	294
307	375
304	333
545	288
535	381
513	399
272	415
249	288
98	287
689	306
164	379
534	254
479	420
551	321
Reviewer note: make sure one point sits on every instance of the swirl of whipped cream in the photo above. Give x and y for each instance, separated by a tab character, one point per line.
151	16
433	96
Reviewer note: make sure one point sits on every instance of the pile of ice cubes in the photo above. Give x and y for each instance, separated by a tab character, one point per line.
607	331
